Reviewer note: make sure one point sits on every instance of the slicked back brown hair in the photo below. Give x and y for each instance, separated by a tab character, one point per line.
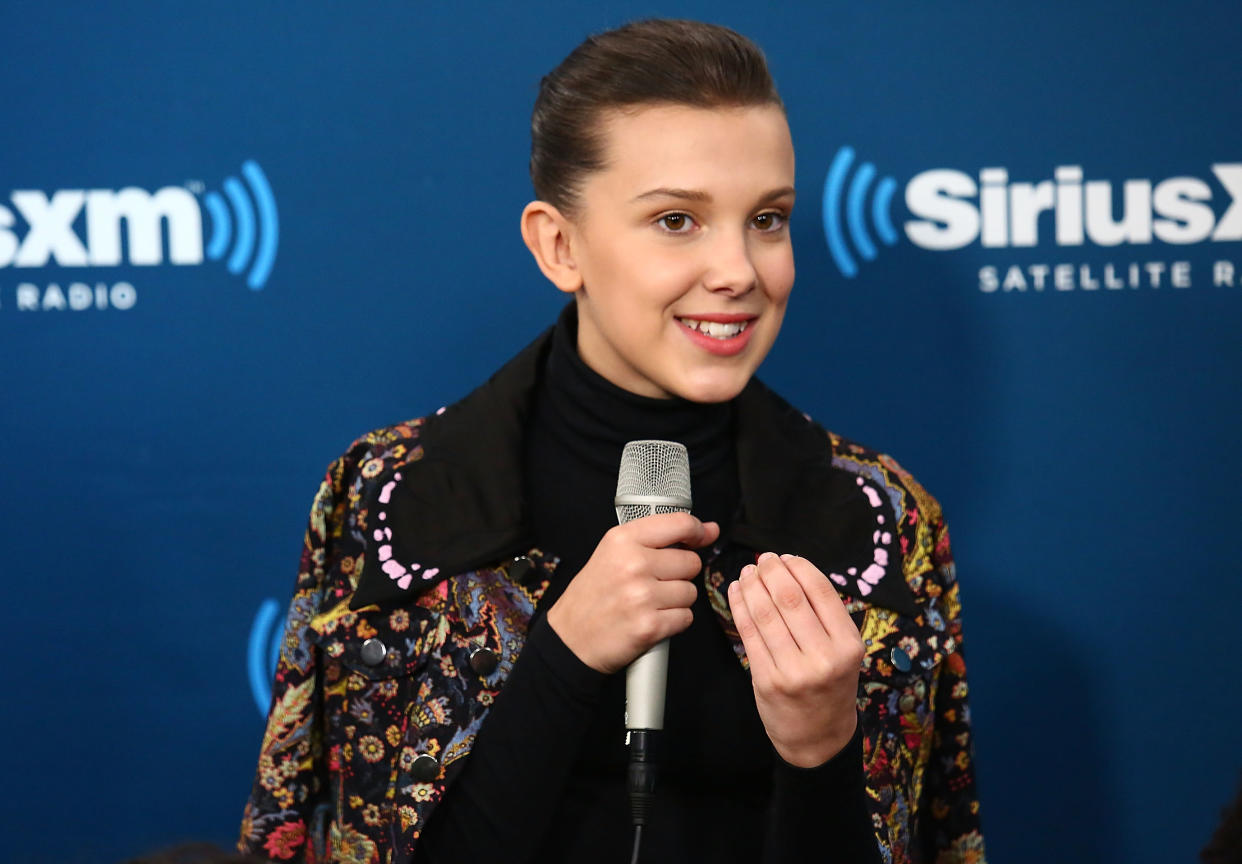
652	62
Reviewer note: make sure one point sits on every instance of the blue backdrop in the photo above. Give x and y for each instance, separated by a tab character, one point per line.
215	217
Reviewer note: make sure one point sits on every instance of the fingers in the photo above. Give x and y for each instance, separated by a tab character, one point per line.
761	665
673	594
843	636
711	533
669	529
782	617
680	564
794	610
670	622
821	595
791	608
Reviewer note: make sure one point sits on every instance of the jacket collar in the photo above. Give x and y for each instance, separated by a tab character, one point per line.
461	506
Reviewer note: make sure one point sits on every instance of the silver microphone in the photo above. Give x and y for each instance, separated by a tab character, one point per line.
654	478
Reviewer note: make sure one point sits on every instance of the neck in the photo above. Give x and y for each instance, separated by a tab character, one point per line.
594	418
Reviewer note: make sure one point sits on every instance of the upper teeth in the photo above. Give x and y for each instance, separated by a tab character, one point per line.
715	329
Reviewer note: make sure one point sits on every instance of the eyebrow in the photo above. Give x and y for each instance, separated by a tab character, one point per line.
699	195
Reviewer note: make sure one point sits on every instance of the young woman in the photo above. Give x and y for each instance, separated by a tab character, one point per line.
448	689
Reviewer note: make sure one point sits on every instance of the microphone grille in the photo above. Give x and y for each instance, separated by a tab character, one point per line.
653	469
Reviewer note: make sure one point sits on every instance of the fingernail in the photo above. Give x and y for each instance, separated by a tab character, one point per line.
788	557
733	589
748	570
765	556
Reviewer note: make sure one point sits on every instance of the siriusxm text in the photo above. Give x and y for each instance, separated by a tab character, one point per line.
51	237
953	210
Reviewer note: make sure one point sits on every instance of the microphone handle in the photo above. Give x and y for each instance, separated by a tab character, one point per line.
646	678
646	683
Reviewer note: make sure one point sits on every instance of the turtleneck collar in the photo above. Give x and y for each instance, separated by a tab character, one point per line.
594	418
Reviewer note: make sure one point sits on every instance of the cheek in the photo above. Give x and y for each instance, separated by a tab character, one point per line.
648	284
778	275
637	277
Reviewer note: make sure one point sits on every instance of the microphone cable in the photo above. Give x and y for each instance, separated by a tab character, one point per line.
641	780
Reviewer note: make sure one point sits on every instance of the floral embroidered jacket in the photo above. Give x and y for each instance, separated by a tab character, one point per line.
418	577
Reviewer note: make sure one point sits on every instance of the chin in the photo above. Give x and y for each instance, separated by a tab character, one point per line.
713	388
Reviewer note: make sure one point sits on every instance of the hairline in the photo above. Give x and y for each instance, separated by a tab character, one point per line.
599	132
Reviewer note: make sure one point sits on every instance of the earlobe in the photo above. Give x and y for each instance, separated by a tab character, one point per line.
547	235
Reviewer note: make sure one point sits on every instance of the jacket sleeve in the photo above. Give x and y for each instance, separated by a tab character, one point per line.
821	810
291	782
949	810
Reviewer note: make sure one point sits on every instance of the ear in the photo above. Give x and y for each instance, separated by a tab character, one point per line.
548	236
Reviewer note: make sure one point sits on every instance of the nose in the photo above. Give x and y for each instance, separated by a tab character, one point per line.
730	267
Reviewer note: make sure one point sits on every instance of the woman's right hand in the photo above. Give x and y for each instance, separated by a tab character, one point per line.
634	591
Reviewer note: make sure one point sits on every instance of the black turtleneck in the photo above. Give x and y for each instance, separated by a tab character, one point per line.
578	428
545	780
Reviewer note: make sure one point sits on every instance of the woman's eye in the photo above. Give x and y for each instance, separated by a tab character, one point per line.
769	221
675	223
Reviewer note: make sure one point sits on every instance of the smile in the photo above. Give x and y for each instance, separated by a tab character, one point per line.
716	329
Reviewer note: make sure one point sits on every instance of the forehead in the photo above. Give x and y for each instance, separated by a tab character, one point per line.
681	146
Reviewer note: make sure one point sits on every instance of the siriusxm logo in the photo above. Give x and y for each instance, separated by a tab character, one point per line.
952	210
855	213
262	652
246	228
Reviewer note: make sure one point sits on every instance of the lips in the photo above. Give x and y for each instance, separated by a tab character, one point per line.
716	329
720	334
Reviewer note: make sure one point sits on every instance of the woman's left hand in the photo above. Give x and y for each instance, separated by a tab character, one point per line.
805	656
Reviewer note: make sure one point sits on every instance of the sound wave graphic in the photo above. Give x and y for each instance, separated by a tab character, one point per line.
262	652
255	218
855	211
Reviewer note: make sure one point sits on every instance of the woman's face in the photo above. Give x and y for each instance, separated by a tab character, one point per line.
683	249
